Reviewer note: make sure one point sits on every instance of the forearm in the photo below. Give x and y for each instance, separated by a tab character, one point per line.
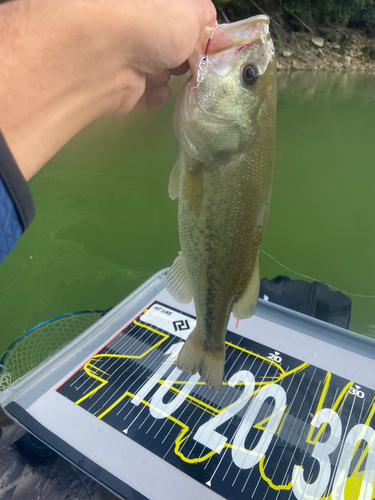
66	62
66	76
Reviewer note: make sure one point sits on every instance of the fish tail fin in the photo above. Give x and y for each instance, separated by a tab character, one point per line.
194	358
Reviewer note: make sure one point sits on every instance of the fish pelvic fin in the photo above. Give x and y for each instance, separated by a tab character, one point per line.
246	305
177	281
174	182
194	357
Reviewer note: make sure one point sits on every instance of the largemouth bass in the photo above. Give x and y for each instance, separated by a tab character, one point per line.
225	123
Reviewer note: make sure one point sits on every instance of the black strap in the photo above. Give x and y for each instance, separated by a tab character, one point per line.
16	185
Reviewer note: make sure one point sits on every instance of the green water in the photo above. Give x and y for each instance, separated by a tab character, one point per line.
105	224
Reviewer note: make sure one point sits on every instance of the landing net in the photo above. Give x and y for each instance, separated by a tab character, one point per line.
40	342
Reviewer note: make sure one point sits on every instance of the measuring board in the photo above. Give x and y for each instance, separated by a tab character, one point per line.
294	420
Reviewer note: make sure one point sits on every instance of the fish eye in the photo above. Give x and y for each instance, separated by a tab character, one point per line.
250	74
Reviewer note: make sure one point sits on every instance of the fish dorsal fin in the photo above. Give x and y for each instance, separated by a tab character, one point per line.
177	282
174	181
246	305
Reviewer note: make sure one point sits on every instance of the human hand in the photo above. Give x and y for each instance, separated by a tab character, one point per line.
160	37
66	63
157	90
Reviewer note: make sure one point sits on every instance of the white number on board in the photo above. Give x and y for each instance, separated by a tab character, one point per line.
303	489
206	433
242	457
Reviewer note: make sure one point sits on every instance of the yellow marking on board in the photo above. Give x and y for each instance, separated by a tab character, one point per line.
180	439
128	356
262	384
115	404
283	375
318	408
353	483
104	382
257	355
327	380
287	485
259	425
209	409
277	487
203	409
370	413
200	404
281	423
97	369
191	398
91	374
146	403
336	407
125	356
352	488
338	404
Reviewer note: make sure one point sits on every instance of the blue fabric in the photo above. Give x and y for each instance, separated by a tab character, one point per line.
10	224
15	185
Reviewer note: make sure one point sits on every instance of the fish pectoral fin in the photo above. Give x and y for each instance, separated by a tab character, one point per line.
174	181
177	281
246	305
192	189
194	358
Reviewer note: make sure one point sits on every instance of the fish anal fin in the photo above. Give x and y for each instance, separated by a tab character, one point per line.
246	305
195	358
177	281
174	181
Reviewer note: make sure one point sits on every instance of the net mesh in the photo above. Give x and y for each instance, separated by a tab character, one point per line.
32	348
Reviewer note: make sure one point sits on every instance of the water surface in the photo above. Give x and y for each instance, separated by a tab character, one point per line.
104	222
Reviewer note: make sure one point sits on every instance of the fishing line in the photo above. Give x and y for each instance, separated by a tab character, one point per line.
203	63
314	279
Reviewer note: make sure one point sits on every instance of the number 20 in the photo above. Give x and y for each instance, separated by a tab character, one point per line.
242	457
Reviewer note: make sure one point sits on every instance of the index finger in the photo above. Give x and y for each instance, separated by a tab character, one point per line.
208	13
181	70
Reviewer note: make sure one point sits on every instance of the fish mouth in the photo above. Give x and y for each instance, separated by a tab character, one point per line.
227	40
232	35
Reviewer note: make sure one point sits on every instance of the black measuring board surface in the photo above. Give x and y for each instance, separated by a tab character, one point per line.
280	428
